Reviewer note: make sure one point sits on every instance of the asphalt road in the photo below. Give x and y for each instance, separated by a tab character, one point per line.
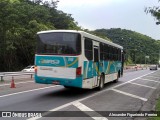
133	92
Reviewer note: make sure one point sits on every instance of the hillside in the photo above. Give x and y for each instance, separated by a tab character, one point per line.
20	20
136	45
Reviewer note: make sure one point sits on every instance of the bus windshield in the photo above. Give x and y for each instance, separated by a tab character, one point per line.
59	43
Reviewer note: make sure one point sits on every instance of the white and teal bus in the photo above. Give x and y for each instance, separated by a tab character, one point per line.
76	59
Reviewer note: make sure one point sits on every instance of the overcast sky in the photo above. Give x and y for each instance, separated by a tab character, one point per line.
125	14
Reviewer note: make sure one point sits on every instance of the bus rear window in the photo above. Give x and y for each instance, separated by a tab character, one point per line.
59	43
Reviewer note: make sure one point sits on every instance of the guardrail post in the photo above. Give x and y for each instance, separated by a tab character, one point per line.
2	80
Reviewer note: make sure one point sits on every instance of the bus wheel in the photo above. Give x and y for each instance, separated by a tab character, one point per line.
101	83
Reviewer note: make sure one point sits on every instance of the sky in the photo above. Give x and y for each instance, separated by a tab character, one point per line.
124	14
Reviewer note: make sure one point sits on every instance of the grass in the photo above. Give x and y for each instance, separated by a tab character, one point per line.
158	105
157	109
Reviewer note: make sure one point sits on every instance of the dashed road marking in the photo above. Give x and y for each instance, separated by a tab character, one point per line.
84	108
151	80
131	95
142	85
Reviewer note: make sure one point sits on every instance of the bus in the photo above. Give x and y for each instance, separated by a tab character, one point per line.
76	59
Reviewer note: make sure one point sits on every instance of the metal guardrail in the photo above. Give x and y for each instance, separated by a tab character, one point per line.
5	74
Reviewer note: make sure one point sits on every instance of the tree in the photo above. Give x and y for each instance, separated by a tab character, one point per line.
20	20
136	45
155	12
19	23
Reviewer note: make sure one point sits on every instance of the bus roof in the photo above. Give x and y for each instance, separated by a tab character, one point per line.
85	34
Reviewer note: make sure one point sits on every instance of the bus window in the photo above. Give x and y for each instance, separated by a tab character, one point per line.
88	49
101	51
59	43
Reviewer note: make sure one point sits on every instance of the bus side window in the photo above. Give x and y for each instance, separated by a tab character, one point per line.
106	52
88	46
101	51
110	52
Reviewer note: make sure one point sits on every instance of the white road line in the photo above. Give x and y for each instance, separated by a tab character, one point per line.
84	108
142	85
153	77
77	104
71	103
132	80
27	91
16	83
131	95
151	80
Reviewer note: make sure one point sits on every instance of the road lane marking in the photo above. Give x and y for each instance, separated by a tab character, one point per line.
151	80
131	95
142	85
79	100
16	83
132	80
84	108
27	91
77	104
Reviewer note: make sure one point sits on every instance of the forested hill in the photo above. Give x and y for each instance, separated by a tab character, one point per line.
20	20
137	45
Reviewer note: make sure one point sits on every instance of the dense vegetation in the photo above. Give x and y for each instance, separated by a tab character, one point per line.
19	22
136	45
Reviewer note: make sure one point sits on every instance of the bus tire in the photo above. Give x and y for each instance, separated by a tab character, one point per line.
101	83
